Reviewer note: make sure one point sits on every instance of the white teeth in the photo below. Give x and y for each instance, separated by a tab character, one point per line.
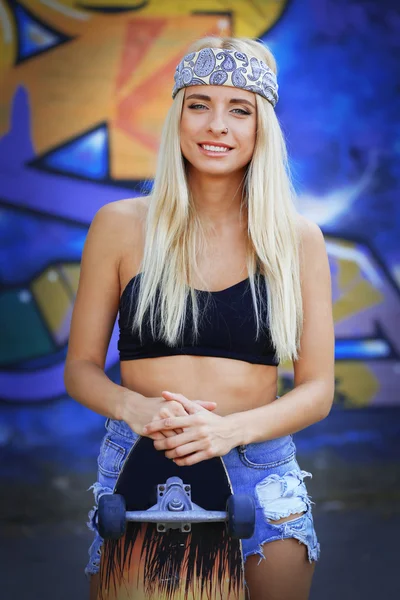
215	148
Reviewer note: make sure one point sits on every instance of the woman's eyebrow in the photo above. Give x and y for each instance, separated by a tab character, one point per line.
207	98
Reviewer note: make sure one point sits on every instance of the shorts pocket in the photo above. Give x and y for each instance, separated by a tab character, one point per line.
111	456
268	455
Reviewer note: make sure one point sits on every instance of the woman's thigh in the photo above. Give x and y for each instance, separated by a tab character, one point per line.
284	542
285	574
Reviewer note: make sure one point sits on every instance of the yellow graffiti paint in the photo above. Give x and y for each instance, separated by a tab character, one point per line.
92	80
117	68
251	18
348	272
71	274
8	40
355	383
361	296
54	302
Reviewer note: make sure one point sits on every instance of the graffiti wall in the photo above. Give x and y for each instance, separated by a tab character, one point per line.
84	90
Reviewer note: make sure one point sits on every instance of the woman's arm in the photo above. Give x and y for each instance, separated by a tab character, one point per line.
311	399
94	315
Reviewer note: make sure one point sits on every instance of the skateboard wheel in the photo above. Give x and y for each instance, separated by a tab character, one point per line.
112	516
241	516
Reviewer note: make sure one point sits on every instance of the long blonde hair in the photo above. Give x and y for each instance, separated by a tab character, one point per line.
174	232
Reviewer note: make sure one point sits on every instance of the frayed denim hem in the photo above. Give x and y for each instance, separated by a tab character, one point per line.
94	551
313	550
280	496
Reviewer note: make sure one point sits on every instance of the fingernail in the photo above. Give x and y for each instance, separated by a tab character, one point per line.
144	429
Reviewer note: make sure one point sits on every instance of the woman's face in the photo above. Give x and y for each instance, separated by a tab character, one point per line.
207	111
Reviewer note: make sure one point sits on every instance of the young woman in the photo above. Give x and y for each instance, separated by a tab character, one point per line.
217	279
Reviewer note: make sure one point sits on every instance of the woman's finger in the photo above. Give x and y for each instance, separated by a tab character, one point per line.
179	399
184	450
192	459
190	407
168	424
156	436
167	444
207	404
165	413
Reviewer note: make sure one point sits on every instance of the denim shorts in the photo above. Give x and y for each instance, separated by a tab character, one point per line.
267	470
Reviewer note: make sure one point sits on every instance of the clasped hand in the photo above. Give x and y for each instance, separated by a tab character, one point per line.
199	435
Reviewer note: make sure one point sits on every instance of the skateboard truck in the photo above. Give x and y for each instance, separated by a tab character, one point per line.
175	510
175	497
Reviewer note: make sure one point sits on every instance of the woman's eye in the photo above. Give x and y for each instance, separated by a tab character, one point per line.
241	111
237	110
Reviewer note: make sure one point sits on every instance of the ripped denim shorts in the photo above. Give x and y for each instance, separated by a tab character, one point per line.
268	470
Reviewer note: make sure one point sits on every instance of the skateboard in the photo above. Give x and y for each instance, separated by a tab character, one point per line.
172	533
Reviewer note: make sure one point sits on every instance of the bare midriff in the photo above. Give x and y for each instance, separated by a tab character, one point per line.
235	385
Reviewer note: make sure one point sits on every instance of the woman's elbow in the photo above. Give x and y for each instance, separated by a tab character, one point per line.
70	375
326	397
67	377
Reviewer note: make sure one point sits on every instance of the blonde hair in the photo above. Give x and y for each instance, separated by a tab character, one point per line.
174	232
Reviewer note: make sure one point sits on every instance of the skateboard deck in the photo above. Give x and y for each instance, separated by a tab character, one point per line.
199	561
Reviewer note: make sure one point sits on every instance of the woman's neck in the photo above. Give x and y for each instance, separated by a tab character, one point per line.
218	200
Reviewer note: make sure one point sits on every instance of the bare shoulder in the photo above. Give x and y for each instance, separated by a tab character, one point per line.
310	233
120	222
311	238
129	211
313	253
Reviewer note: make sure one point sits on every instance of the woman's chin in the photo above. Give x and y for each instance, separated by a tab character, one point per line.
215	169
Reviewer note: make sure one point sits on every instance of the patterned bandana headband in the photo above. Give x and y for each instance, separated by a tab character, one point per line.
215	66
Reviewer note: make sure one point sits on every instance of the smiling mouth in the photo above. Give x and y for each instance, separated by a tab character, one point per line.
215	148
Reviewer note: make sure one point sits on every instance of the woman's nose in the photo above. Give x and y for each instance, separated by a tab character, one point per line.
217	127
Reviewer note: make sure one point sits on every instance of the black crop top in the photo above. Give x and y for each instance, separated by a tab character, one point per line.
227	328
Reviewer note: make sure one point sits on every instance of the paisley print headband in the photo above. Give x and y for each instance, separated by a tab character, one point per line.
215	66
